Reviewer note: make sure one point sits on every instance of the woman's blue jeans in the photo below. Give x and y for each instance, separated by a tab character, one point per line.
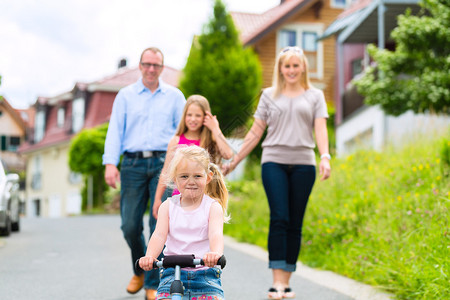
139	179
287	188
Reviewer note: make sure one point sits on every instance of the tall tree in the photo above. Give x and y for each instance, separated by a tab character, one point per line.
223	71
416	75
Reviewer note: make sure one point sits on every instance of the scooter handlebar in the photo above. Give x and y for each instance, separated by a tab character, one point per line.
184	261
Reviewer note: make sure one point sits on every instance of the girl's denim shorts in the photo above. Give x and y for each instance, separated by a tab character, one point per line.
205	284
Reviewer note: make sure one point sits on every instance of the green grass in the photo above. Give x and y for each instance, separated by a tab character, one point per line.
382	219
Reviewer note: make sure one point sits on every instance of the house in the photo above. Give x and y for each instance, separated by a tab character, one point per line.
294	23
357	125
12	134
52	190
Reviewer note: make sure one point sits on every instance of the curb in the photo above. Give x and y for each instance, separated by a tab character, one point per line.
333	281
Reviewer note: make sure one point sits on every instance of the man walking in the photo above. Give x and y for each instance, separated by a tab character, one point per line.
144	118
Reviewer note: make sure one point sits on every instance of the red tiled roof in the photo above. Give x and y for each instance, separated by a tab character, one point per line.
253	26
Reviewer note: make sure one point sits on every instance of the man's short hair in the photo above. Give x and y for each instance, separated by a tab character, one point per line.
154	50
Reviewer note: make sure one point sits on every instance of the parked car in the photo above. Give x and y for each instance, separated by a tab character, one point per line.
9	202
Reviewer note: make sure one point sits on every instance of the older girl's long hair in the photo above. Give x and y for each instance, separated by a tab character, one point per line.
216	188
207	140
285	54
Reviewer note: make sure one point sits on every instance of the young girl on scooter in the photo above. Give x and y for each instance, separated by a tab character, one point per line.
191	223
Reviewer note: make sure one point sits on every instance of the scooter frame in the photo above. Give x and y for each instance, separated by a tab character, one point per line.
178	262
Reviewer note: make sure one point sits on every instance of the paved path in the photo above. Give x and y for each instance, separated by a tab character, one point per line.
87	258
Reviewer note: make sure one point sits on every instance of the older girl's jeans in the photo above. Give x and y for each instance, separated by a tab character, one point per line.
287	188
139	178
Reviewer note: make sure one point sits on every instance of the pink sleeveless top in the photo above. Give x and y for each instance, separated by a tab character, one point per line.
188	230
184	141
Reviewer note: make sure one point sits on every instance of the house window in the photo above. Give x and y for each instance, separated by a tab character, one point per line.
40	126
309	42
61	117
356	67
10	143
340	3
36	177
77	114
288	38
305	36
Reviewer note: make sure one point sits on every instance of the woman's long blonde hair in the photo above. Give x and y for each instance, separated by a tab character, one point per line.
207	140
216	188
285	54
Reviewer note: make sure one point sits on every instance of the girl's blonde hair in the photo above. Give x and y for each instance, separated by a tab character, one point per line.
207	140
216	188
285	54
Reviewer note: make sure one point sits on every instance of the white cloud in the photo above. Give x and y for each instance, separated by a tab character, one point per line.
46	46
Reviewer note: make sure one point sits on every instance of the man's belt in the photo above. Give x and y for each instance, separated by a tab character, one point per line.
144	154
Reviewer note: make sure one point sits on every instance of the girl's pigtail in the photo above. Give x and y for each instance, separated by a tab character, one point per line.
217	189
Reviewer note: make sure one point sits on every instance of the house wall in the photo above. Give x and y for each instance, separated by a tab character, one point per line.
9	126
57	197
364	130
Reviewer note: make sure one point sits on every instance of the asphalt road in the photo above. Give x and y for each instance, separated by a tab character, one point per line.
86	257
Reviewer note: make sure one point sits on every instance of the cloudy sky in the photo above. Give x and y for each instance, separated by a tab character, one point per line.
46	46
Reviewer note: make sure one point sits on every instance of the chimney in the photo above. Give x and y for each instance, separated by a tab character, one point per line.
122	63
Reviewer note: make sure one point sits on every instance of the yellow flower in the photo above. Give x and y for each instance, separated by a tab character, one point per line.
438	178
420	167
343	218
414	169
399	198
438	160
325	220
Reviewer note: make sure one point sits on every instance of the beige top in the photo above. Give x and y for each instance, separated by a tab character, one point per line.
290	123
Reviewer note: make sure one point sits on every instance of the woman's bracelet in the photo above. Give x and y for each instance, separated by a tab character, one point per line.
325	155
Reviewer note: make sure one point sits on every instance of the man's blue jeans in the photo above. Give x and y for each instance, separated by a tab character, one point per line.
287	188
139	179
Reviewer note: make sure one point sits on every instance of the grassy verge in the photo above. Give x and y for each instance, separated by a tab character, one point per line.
382	219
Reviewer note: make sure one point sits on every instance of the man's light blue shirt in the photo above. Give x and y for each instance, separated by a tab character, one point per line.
142	120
